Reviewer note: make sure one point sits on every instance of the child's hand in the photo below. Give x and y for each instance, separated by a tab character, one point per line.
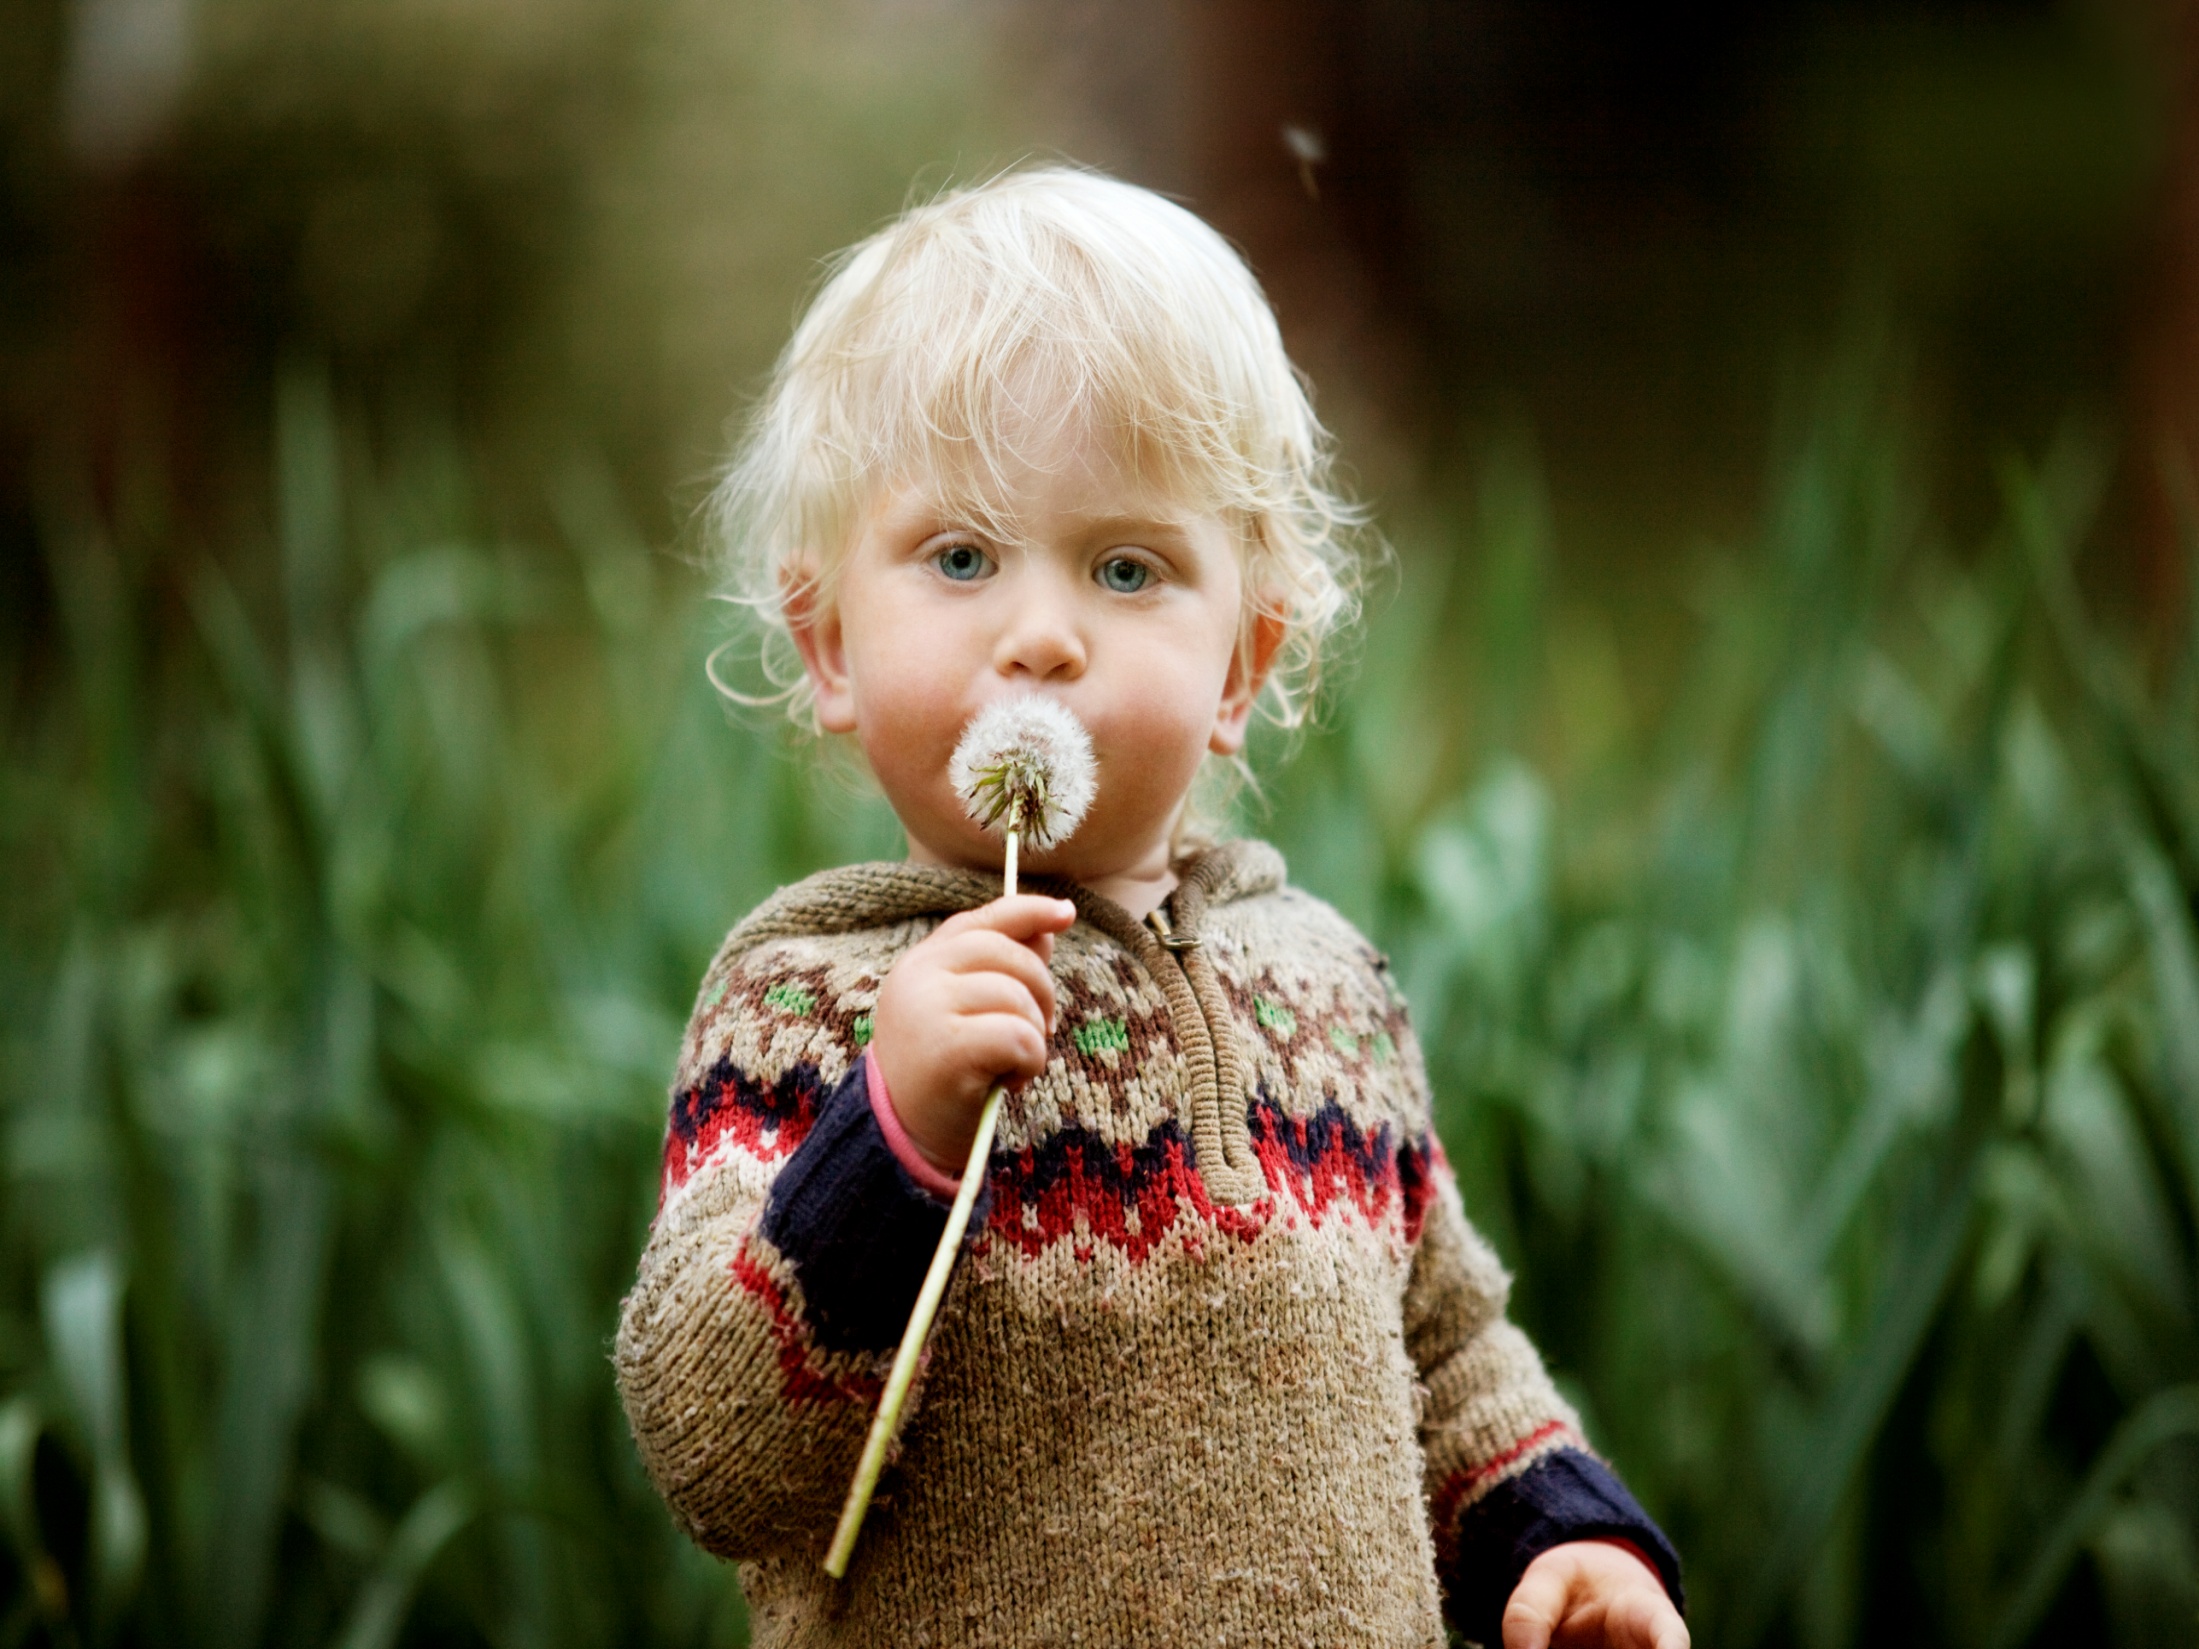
1590	1593
969	1006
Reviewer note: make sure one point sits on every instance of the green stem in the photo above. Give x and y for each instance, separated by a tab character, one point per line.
886	1423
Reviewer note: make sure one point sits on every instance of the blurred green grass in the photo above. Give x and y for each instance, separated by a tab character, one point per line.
1820	1042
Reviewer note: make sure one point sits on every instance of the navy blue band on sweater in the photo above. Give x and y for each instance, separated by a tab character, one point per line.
858	1231
1566	1496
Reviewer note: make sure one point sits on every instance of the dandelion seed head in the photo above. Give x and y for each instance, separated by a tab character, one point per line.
1025	764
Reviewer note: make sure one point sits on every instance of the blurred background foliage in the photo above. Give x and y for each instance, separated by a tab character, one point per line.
1771	764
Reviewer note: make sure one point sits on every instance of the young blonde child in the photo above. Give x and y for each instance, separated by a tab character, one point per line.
1223	1361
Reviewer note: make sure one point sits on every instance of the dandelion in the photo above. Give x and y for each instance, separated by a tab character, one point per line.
1024	767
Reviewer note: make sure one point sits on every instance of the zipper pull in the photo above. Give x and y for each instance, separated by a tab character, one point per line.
1165	931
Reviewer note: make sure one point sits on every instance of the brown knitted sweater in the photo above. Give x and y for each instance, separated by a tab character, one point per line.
1223	1361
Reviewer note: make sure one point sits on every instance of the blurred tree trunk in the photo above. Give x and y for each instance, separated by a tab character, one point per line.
2165	434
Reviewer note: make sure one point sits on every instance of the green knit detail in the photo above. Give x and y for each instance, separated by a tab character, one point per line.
791	998
1344	1042
862	1030
1102	1036
1273	1016
1385	1049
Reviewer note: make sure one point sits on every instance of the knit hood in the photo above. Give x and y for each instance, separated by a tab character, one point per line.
878	894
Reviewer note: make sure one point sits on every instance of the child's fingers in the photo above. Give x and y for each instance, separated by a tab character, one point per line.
1568	1598
979	952
1005	1044
1025	918
1642	1619
985	992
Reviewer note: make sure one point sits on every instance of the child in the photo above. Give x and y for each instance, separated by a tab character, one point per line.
1222	1361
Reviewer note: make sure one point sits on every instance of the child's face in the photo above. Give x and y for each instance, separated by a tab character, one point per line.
1125	607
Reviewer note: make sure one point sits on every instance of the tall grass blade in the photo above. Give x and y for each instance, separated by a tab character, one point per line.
2161	1419
83	1301
378	1614
1823	1471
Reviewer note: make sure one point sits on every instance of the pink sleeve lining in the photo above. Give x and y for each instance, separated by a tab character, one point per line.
920	1167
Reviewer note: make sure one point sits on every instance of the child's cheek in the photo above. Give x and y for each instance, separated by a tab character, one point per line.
904	754
1149	758
907	737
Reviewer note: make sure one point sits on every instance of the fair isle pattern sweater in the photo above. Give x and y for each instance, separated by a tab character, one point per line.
1222	1362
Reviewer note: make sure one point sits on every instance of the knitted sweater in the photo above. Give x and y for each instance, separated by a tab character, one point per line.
1222	1362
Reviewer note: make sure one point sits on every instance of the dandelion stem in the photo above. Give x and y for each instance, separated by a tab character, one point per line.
887	1421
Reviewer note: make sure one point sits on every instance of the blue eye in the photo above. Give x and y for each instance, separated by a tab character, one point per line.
963	562
1124	574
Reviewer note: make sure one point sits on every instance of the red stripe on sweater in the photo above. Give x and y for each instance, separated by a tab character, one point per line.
804	1375
728	1105
1460	1484
1073	1186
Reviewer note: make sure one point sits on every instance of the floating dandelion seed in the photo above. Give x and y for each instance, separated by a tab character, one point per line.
1024	767
1309	149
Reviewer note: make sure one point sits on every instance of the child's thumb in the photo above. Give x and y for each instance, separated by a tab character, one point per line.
1536	1608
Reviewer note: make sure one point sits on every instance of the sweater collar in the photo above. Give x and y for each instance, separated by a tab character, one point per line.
854	897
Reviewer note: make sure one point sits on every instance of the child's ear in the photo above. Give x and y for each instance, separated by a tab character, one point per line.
1248	673
813	620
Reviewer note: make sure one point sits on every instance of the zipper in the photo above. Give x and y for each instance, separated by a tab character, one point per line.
1165	932
1200	1009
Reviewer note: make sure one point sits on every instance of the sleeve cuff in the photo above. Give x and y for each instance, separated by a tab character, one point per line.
853	1223
920	1167
1569	1495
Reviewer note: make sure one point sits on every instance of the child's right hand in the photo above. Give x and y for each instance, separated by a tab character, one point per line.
969	1006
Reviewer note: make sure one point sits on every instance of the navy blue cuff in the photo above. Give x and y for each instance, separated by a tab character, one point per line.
1568	1495
858	1231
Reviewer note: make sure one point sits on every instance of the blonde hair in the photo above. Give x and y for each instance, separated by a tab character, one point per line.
1038	301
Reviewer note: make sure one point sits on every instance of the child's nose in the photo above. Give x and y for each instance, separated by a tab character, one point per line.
1042	639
